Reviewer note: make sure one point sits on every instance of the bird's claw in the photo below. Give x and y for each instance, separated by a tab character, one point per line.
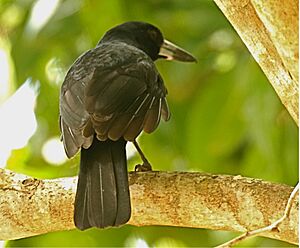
143	167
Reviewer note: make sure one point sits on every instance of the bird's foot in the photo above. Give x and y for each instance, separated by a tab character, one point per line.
146	166
143	167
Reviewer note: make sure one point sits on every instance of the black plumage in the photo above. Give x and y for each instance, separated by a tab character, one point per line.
110	94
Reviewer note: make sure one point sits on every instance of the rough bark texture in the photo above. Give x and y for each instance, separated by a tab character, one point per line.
270	31
30	207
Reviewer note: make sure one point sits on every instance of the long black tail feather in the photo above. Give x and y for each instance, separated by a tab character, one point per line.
102	197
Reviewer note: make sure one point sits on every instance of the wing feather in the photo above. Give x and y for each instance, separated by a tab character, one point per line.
153	116
165	111
110	98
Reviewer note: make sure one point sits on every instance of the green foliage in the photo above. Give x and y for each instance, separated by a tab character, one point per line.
226	117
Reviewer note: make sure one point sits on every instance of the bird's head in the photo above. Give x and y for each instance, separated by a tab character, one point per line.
149	39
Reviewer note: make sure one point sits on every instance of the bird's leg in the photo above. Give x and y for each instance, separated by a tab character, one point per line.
146	166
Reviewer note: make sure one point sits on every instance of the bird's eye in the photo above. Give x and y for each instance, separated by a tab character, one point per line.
153	34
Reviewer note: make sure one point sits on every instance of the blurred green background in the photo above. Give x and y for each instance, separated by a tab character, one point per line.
226	117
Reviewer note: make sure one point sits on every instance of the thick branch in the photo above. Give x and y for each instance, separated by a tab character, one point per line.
270	31
30	207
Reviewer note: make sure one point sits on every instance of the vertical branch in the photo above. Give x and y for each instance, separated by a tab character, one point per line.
269	29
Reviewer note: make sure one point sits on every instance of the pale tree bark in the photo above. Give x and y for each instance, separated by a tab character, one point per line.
30	207
269	29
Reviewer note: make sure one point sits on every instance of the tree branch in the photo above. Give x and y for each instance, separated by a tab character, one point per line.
272	227
270	31
30	206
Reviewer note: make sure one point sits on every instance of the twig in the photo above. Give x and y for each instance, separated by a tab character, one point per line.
274	227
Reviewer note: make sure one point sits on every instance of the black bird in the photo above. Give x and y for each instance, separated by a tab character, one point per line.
109	95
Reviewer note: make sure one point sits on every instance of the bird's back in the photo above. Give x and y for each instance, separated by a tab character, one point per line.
104	89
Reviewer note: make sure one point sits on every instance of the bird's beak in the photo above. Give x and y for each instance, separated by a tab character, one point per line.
170	51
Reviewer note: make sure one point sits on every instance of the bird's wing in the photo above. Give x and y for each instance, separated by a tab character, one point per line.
110	97
126	100
73	116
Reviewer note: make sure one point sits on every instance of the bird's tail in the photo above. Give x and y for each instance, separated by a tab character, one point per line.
102	197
